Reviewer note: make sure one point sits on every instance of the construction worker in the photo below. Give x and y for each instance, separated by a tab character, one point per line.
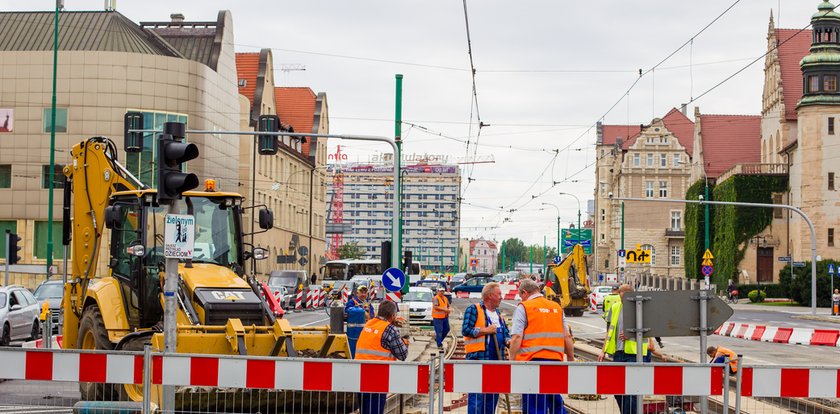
610	299
359	300
380	341
621	348
485	336
440	316
538	334
835	302
718	355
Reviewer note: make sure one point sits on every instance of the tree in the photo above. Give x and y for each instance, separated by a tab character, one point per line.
351	250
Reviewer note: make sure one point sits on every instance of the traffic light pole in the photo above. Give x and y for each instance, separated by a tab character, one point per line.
8	254
764	205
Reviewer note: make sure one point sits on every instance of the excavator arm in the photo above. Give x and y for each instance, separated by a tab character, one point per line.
571	277
95	175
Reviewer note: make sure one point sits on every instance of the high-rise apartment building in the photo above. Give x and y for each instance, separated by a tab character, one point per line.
430	210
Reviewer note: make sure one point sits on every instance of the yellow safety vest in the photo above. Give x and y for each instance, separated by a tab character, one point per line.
609	300
629	344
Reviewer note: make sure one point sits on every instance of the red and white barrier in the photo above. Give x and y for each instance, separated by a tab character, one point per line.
345	294
323	299
593	304
214	371
790	382
299	301
39	343
587	378
782	335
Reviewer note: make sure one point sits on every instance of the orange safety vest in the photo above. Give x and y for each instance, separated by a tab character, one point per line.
476	344
369	346
443	303
544	337
733	357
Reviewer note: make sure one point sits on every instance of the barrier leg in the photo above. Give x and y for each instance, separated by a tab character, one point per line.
738	385
432	384
726	386
147	379
440	384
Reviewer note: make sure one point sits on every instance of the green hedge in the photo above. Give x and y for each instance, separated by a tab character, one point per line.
799	287
695	230
775	290
757	296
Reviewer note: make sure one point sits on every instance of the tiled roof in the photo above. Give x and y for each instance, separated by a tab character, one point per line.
793	45
103	31
247	65
296	107
490	243
729	140
682	128
612	132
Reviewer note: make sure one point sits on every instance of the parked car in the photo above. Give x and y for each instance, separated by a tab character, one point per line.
598	293
435	276
51	291
457	279
419	300
473	284
19	312
284	285
432	284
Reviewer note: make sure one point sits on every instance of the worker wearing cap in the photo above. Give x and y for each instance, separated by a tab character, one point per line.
539	334
380	341
718	355
440	316
359	300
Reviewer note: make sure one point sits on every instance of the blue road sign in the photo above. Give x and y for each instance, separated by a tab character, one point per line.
601	277
707	270
798	264
557	259
393	279
831	269
784	258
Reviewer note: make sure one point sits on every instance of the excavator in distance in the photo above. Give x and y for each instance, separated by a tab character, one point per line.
571	279
221	309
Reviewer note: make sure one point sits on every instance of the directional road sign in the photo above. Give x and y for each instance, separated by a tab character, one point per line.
798	264
707	270
638	256
393	279
831	269
674	313
557	259
571	237
784	258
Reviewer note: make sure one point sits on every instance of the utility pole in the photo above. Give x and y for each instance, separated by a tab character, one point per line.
504	258
531	260
58	5
396	252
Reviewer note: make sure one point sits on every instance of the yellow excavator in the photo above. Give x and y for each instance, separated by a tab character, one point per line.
221	309
570	278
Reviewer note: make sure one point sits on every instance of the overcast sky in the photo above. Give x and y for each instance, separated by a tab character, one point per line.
546	71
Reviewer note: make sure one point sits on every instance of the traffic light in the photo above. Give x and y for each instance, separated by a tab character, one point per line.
407	265
385	257
172	153
12	248
133	140
267	144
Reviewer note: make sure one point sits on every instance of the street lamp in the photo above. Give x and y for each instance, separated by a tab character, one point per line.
558	224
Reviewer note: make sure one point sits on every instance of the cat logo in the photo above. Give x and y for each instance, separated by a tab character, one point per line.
228	295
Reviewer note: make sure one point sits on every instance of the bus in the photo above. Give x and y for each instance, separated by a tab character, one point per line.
352	272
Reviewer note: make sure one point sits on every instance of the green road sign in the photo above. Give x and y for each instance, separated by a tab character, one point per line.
571	237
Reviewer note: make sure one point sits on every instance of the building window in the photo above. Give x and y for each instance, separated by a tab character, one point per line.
652	253
677	160
603	215
831	125
831	181
777	212
663	189
5	176
650	160
675	255
58	176
663	160
41	235
676	220
60	120
142	164
637	159
649	189
831	237
813	83
829	83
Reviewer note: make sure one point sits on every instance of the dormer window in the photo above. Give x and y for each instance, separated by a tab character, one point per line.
813	83
829	83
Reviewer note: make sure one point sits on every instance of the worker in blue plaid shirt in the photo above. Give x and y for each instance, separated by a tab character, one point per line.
479	330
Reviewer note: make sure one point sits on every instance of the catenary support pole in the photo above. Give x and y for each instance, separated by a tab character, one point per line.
703	298
52	143
396	243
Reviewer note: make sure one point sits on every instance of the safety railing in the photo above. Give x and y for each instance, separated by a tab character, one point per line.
47	381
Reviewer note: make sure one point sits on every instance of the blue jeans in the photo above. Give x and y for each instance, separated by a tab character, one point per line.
543	403
626	403
482	403
372	403
441	330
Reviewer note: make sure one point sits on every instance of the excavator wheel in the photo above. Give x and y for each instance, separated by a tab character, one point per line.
94	336
132	392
